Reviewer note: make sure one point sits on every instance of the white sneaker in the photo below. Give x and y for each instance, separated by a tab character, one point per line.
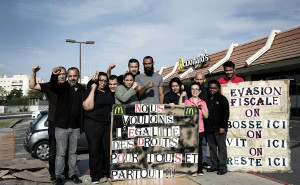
200	173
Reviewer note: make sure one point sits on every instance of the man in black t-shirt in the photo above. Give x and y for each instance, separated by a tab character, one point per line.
52	99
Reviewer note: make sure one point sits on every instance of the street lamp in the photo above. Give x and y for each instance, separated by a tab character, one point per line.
86	42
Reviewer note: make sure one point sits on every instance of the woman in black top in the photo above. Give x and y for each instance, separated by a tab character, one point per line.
98	106
216	127
172	97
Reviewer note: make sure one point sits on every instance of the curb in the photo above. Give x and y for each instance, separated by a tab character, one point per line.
20	120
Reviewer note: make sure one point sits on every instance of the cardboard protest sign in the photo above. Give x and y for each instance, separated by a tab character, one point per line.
258	126
153	141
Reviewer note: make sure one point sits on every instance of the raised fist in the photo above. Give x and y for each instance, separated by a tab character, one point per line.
36	69
151	84
56	70
135	84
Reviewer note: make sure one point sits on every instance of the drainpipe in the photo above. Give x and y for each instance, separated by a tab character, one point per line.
264	49
171	73
223	60
161	70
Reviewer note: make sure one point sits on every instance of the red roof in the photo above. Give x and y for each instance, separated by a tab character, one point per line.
286	45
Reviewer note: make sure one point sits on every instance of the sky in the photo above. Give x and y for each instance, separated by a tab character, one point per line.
34	32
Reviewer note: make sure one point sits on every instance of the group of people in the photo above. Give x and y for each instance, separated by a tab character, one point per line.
74	109
213	115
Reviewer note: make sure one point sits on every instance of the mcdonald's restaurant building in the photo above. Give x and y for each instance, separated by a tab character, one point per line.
276	56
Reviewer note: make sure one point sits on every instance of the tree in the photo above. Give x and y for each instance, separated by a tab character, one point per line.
3	94
33	94
15	97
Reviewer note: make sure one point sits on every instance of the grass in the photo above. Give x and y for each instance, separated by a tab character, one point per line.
7	123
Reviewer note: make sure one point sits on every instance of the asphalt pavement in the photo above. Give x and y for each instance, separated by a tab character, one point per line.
232	178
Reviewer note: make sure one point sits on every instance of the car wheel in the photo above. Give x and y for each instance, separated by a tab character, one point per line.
41	150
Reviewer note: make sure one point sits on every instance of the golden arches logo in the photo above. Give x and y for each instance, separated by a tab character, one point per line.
118	110
180	64
189	111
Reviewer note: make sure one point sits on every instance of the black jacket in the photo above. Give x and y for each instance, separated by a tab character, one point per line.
64	102
218	114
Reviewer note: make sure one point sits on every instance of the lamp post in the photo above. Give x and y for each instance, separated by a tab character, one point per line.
86	42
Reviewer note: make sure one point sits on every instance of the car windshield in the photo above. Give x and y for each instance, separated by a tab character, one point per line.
37	119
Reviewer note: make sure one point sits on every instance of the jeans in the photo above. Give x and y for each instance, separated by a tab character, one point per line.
218	150
205	159
66	138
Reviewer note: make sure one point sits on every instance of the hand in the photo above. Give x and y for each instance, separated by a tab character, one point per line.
95	77
36	69
93	87
112	65
56	70
135	84
222	131
183	93
182	87
150	84
172	105
200	107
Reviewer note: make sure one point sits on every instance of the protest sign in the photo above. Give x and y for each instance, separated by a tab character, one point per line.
153	141
258	126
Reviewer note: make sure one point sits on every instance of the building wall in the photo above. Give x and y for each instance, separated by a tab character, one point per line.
17	82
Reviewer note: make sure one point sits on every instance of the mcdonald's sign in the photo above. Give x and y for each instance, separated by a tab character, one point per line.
189	110
118	110
192	62
180	64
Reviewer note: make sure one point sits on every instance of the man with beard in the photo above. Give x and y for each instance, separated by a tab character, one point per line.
150	84
52	99
230	76
68	120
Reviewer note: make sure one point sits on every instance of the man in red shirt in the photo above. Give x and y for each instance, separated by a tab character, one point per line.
230	76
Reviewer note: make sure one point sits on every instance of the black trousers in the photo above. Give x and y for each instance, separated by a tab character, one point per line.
52	148
52	151
200	166
98	136
218	150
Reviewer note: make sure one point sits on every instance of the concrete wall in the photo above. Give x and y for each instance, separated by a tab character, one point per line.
11	109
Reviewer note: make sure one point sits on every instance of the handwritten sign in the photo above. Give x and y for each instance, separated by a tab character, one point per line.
258	127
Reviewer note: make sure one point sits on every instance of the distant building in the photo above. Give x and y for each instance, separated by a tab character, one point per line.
17	82
85	80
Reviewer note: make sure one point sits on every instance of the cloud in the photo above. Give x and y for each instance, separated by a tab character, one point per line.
167	30
33	50
76	12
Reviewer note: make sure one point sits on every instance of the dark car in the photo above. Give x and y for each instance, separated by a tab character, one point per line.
37	139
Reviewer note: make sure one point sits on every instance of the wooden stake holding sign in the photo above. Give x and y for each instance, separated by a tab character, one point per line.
153	141
258	127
